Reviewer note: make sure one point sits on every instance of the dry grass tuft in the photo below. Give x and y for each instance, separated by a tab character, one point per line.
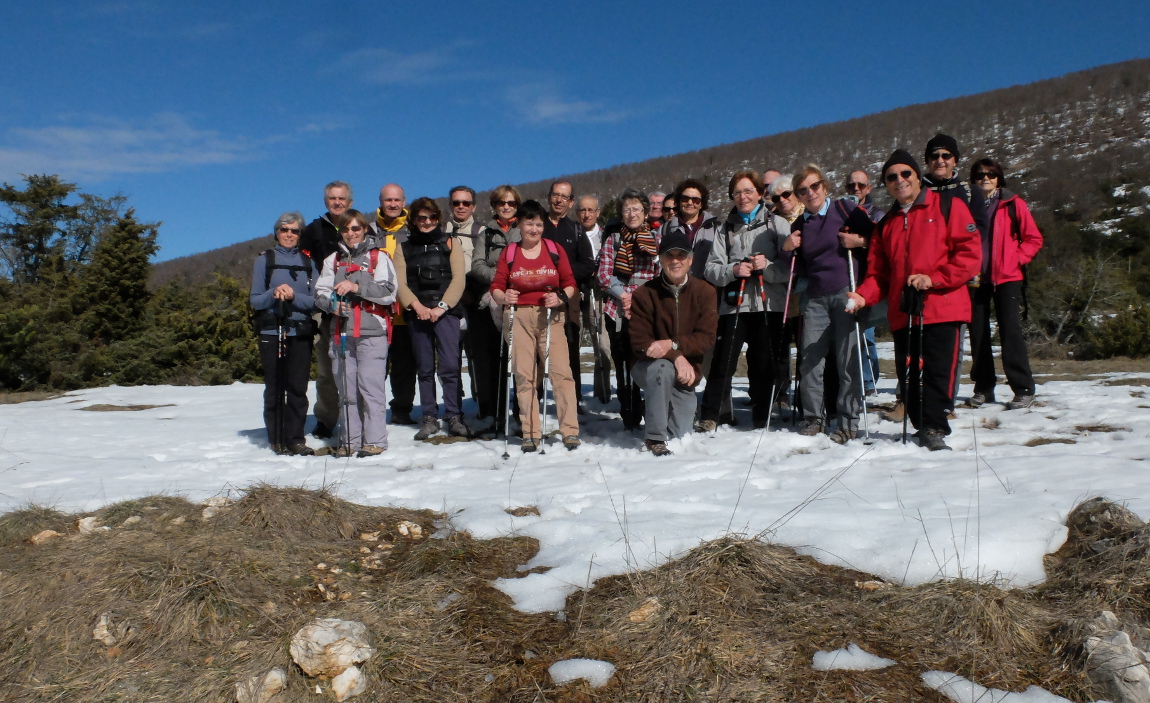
1100	428
1039	441
523	511
201	604
28	396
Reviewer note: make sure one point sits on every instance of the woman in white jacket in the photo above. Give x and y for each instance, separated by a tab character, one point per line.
358	286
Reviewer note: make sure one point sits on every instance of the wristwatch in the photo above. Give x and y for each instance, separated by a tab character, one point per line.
442	305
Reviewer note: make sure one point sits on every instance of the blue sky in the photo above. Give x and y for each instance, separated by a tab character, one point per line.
215	117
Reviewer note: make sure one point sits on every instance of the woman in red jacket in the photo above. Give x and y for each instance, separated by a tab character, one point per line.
535	277
1014	240
922	252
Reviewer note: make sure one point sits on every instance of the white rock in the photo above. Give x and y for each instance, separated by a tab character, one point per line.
131	521
410	529
597	672
350	683
103	631
88	525
43	536
262	689
209	512
179	521
1118	669
218	502
327	646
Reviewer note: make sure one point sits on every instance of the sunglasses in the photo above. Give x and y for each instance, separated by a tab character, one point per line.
506	203
941	155
287	230
354	228
979	175
677	254
854	185
462	203
893	176
812	188
779	197
426	218
686	199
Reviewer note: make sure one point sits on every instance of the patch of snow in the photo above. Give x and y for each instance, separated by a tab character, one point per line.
1145	190
853	658
1121	191
596	672
961	690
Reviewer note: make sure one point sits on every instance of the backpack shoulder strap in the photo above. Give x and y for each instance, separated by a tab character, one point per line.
373	258
1015	227
553	249
269	264
512	252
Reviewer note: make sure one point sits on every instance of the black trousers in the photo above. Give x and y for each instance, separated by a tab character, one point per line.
291	374
1007	299
936	370
573	330
484	344
756	330
401	369
630	397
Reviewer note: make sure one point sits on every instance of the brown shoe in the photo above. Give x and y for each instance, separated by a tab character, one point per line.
895	414
370	450
657	448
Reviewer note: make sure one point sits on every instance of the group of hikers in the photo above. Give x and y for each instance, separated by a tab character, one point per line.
667	294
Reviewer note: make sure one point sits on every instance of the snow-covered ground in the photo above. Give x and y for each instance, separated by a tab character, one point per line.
990	509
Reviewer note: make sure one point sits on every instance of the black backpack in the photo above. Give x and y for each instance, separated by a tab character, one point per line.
269	317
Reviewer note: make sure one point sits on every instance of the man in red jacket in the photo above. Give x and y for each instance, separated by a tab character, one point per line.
922	251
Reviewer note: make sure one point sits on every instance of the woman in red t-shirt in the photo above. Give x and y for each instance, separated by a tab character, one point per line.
535	277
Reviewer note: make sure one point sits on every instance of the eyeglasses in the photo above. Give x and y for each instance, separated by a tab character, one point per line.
979	175
855	185
587	210
632	211
778	197
689	199
354	228
560	196
427	218
745	192
893	176
506	203
288	230
941	156
462	203
805	190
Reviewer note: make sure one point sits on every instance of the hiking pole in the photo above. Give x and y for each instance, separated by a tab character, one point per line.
546	370
337	304
858	345
786	307
732	356
509	385
281	373
921	324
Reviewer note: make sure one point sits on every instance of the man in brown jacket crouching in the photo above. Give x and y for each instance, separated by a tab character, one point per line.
674	318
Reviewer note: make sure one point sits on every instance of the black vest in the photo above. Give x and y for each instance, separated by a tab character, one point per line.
428	260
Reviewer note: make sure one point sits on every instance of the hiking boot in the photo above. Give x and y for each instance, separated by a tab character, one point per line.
402	417
728	420
281	450
343	451
581	408
811	427
300	449
530	444
657	447
1021	401
429	427
457	428
932	439
706	426
895	414
370	450
979	399
572	442
842	435
322	431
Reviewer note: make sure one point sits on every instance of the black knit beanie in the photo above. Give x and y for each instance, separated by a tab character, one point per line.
901	156
942	141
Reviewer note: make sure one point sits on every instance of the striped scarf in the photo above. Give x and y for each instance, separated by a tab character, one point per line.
630	240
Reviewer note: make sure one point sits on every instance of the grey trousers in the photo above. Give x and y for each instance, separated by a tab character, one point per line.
828	326
669	410
364	400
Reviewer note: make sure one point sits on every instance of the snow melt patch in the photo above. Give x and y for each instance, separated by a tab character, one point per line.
853	658
597	672
960	690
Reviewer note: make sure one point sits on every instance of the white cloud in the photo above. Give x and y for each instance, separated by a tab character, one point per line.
99	147
543	105
387	67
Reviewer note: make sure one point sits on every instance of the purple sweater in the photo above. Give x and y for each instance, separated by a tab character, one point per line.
821	259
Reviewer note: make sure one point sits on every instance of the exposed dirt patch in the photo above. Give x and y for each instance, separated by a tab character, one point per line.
1039	441
1100	428
28	396
523	511
106	408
